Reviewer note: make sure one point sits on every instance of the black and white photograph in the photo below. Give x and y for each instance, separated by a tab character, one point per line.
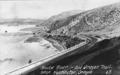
59	37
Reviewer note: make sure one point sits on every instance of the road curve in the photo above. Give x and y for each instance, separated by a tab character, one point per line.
89	42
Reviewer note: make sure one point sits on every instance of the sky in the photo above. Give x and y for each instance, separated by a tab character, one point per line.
42	9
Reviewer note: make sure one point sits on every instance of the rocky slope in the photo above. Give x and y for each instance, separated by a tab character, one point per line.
102	24
47	23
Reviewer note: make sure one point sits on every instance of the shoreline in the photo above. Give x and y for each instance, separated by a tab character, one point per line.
55	44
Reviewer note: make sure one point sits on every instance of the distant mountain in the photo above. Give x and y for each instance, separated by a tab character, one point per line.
19	21
60	16
65	14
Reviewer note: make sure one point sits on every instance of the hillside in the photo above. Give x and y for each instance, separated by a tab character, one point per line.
21	21
101	19
102	24
58	17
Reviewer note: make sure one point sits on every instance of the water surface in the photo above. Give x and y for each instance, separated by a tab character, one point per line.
15	53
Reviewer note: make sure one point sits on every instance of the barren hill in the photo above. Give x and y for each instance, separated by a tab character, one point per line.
99	27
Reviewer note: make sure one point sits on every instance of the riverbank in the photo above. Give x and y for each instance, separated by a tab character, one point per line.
15	52
57	45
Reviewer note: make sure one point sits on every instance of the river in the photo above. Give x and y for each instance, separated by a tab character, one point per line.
15	53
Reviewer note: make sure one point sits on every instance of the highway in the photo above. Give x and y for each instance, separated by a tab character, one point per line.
77	49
